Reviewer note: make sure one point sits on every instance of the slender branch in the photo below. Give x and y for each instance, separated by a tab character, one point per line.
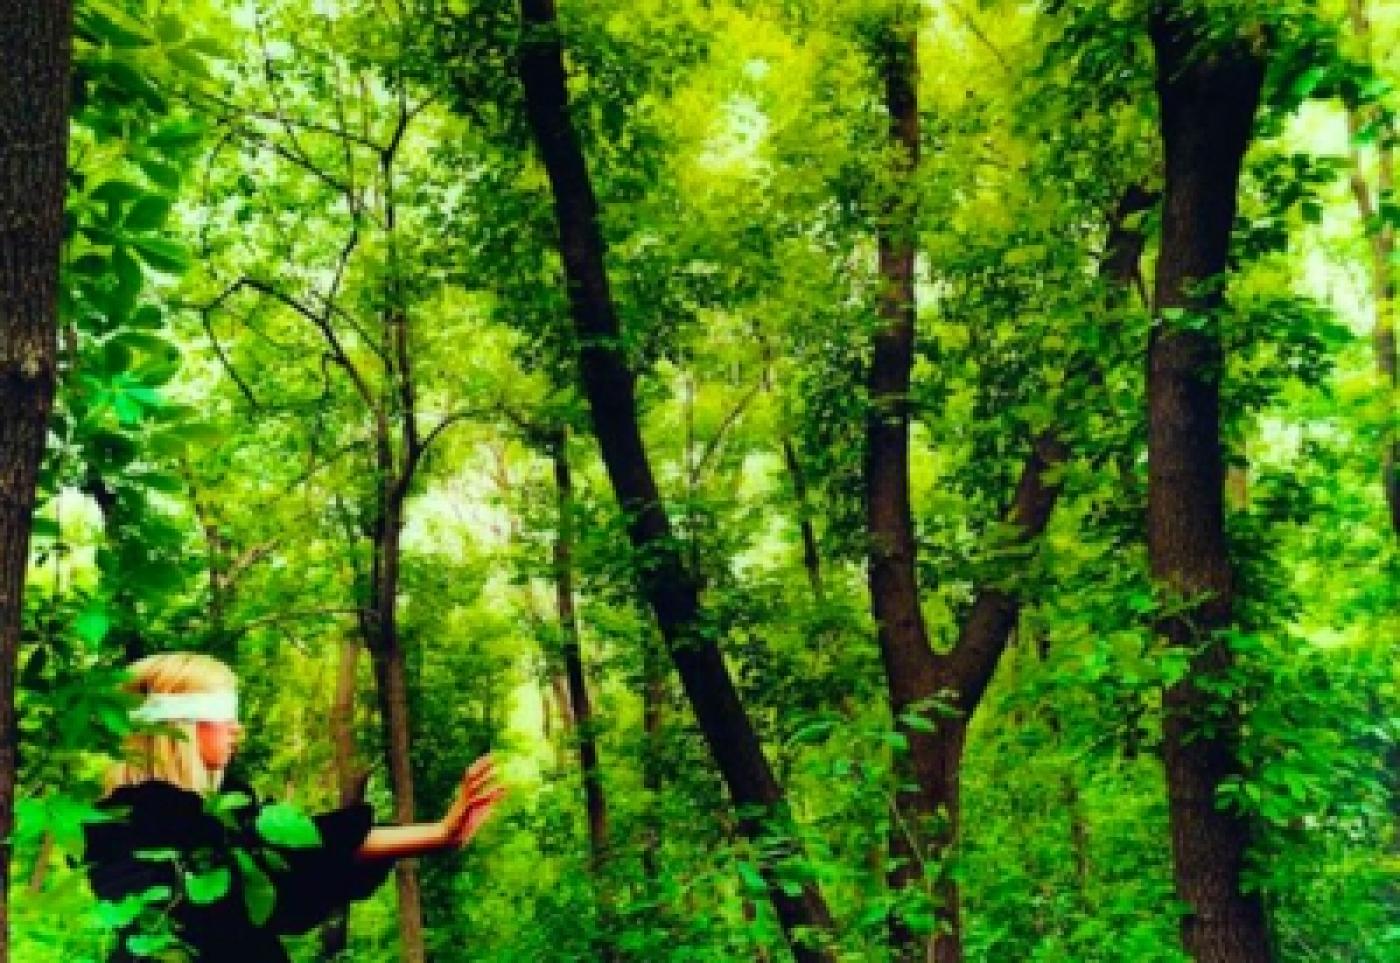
243	387
445	423
976	31
730	419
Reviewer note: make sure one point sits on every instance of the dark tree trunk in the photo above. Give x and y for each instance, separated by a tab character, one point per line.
580	707
35	51
349	776
1208	100
928	809
392	684
609	385
916	675
921	831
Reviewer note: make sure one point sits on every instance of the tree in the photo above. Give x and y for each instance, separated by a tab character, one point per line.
36	48
609	386
1208	93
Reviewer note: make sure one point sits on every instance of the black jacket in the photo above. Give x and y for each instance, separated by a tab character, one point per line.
166	833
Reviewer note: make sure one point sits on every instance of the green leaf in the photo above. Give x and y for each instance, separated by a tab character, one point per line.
115	915
169	29
147	214
109	451
917	723
259	895
115	357
752	879
177	135
118	191
162	174
162	254
92	623
1308	81
147	316
98	28
150	944
283	824
204	888
128	269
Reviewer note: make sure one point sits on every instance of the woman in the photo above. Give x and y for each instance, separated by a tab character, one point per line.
192	868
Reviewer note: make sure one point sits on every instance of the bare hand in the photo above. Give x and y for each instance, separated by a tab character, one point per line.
476	798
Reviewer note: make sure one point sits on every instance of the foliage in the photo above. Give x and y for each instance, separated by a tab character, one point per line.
259	192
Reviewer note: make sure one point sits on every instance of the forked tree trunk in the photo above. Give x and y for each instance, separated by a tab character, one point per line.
610	387
35	56
1208	100
917	676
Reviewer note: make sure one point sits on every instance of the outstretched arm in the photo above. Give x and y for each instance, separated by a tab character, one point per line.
476	798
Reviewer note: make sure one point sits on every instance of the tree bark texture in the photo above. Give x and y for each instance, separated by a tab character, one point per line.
610	386
1208	99
36	54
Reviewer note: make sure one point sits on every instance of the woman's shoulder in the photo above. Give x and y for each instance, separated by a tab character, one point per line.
151	793
158	792
154	812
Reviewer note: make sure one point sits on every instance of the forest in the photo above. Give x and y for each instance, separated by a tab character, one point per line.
885	480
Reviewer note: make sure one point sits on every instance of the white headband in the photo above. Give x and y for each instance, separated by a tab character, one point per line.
193	706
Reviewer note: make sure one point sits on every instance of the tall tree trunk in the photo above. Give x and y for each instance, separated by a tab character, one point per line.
1383	271
349	777
36	51
581	708
392	684
609	385
1208	100
927	812
917	676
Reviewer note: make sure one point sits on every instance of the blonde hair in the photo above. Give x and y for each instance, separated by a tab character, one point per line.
170	753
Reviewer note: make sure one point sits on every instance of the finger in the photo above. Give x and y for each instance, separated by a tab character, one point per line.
478	772
462	806
478	789
481	808
476	818
488	799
